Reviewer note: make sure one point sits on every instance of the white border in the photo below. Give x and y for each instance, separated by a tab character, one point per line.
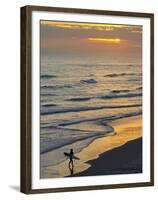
38	183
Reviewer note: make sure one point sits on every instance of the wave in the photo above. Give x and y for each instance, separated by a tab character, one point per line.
101	119
48	94
56	86
89	81
100	64
47	76
83	108
85	65
79	99
128	95
48	143
112	94
121	74
53	145
49	105
119	91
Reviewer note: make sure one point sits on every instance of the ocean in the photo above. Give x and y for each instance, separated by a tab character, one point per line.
77	100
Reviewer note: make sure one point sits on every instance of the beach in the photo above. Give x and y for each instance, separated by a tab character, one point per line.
115	154
126	159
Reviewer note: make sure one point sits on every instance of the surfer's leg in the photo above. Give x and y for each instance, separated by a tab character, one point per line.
72	164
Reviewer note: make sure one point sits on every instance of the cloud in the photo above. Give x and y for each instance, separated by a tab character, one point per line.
87	26
106	40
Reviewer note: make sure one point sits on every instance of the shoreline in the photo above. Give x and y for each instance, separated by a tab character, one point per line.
126	159
127	129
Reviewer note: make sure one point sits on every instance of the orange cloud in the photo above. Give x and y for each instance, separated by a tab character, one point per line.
106	40
79	25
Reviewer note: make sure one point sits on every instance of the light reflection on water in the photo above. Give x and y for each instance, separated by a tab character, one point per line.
65	86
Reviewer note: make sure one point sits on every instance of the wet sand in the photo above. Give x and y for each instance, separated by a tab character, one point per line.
126	159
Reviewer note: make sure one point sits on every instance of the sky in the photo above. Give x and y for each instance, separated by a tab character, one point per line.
110	43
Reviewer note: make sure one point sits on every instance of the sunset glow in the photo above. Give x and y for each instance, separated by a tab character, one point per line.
107	40
74	25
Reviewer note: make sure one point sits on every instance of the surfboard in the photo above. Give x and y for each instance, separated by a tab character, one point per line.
73	157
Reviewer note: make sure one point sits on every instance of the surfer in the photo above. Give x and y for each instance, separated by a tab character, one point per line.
71	158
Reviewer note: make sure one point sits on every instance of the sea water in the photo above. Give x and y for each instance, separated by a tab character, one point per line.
78	99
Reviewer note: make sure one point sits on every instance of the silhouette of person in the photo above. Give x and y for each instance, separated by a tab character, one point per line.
71	161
